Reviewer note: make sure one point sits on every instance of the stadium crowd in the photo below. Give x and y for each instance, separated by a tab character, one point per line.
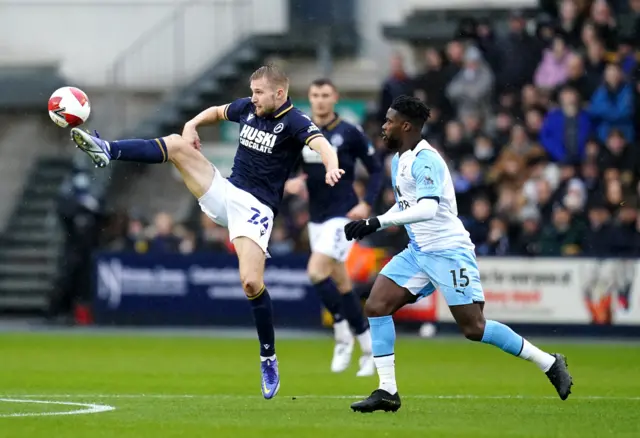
539	126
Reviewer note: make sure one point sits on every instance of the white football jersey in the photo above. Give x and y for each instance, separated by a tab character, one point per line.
422	173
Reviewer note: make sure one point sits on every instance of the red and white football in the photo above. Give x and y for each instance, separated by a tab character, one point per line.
69	107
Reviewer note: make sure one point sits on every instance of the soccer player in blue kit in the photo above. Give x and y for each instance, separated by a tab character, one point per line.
272	135
440	256
330	209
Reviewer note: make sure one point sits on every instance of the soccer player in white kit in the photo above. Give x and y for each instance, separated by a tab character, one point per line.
440	256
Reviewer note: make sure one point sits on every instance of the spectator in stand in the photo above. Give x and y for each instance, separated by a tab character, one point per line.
619	154
569	22
563	236
630	23
595	62
624	239
478	223
470	90
566	130
487	43
433	130
612	105
597	238
498	243
503	124
544	200
162	238
553	70
613	192
430	86
455	146
605	23
509	170
627	57
575	197
135	239
528	240
519	55
590	175
534	118
469	184
397	83
484	150
577	78
472	124
455	59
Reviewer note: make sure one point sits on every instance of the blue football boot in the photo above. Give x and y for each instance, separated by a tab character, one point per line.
270	378
97	149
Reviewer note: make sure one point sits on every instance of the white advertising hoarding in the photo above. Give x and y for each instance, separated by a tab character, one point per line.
558	291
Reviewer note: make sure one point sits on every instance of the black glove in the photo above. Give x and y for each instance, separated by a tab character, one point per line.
359	229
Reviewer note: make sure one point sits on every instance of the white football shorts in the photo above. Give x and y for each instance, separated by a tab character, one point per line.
238	211
328	238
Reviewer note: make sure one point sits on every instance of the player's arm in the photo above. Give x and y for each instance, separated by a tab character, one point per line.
329	158
230	111
364	150
429	176
211	115
306	132
424	210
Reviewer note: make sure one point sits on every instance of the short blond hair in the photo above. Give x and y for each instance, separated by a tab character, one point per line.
273	74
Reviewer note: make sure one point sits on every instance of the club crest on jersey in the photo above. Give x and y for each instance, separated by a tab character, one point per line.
258	140
428	180
337	140
278	129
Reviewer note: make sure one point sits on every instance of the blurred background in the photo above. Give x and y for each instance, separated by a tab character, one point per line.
534	106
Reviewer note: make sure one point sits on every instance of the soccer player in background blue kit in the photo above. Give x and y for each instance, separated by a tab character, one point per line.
272	134
330	209
440	255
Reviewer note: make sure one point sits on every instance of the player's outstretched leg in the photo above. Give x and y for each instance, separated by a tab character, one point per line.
471	321
353	312
386	297
251	259
102	152
197	172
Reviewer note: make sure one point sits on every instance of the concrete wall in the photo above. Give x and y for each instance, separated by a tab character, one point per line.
144	44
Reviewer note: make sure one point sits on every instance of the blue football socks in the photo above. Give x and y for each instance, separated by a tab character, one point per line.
140	151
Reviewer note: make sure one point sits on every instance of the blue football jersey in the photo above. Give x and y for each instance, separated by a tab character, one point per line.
269	148
351	144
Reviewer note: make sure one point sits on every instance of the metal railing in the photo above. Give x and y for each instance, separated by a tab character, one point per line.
175	50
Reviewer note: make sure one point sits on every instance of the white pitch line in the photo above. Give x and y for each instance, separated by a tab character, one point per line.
88	408
330	397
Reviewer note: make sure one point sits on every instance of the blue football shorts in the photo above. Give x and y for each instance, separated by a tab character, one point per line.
454	272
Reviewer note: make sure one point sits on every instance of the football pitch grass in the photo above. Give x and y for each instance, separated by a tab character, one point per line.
135	386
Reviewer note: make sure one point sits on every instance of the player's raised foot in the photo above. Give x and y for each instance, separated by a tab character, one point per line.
341	356
367	366
559	376
93	146
379	400
270	378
